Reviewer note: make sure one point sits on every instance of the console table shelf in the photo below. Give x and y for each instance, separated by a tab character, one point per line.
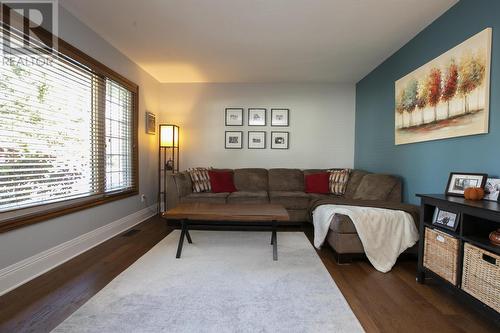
476	220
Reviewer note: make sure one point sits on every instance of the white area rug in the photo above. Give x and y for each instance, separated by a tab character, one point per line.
226	281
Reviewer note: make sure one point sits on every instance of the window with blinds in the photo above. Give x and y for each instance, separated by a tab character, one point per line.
68	132
118	137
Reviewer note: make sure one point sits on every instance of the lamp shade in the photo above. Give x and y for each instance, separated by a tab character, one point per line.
169	136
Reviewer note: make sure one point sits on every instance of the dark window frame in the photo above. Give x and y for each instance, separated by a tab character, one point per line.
75	205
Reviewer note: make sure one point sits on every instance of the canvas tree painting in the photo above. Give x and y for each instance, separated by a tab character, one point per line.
447	97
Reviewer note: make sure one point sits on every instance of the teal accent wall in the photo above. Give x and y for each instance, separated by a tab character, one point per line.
425	166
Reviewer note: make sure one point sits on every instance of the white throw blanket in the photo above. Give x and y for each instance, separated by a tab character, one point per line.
384	233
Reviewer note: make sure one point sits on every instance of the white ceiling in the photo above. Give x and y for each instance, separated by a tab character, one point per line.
257	40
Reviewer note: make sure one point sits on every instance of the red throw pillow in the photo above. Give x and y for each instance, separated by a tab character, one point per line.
318	183
221	181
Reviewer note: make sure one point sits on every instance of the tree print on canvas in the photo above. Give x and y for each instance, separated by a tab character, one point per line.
447	97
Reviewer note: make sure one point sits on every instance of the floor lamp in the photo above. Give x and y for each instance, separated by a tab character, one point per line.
168	159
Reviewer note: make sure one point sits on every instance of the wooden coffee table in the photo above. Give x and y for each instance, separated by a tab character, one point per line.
206	214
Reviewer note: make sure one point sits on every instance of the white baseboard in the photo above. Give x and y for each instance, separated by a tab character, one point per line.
21	272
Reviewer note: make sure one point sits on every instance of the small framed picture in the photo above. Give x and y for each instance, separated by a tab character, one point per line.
234	117
446	219
234	140
458	182
492	189
279	117
256	117
256	140
279	140
150	123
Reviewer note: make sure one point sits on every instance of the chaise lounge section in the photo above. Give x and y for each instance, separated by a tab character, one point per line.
287	188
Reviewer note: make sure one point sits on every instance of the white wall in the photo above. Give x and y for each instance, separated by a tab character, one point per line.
321	123
25	242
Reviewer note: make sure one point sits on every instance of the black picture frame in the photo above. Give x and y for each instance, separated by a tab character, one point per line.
442	219
251	111
240	133
274	144
458	191
273	123
252	132
492	183
239	110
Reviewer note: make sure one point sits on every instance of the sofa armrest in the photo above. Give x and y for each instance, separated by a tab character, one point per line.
178	186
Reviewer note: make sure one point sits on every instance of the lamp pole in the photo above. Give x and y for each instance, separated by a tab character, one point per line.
169	139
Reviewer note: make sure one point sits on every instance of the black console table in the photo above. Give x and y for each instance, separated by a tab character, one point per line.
477	220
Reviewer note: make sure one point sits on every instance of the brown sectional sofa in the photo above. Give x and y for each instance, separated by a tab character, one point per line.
286	187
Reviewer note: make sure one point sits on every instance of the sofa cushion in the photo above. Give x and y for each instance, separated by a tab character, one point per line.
342	224
221	181
354	180
318	183
286	180
311	171
206	197
297	215
248	197
396	194
375	187
316	196
251	179
290	199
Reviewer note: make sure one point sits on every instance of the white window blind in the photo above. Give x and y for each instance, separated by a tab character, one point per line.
119	172
66	132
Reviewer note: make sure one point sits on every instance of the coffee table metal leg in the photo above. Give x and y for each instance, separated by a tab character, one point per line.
272	238
181	239
275	242
188	236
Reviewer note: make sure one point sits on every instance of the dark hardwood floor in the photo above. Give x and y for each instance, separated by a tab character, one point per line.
391	302
395	302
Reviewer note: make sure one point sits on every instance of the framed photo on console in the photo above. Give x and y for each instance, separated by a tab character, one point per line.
492	189
234	117
279	140
445	219
459	181
257	117
234	140
256	140
279	117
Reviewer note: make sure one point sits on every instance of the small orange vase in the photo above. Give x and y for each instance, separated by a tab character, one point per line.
474	193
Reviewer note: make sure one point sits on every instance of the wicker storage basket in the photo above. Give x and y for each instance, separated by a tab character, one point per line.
441	254
481	275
